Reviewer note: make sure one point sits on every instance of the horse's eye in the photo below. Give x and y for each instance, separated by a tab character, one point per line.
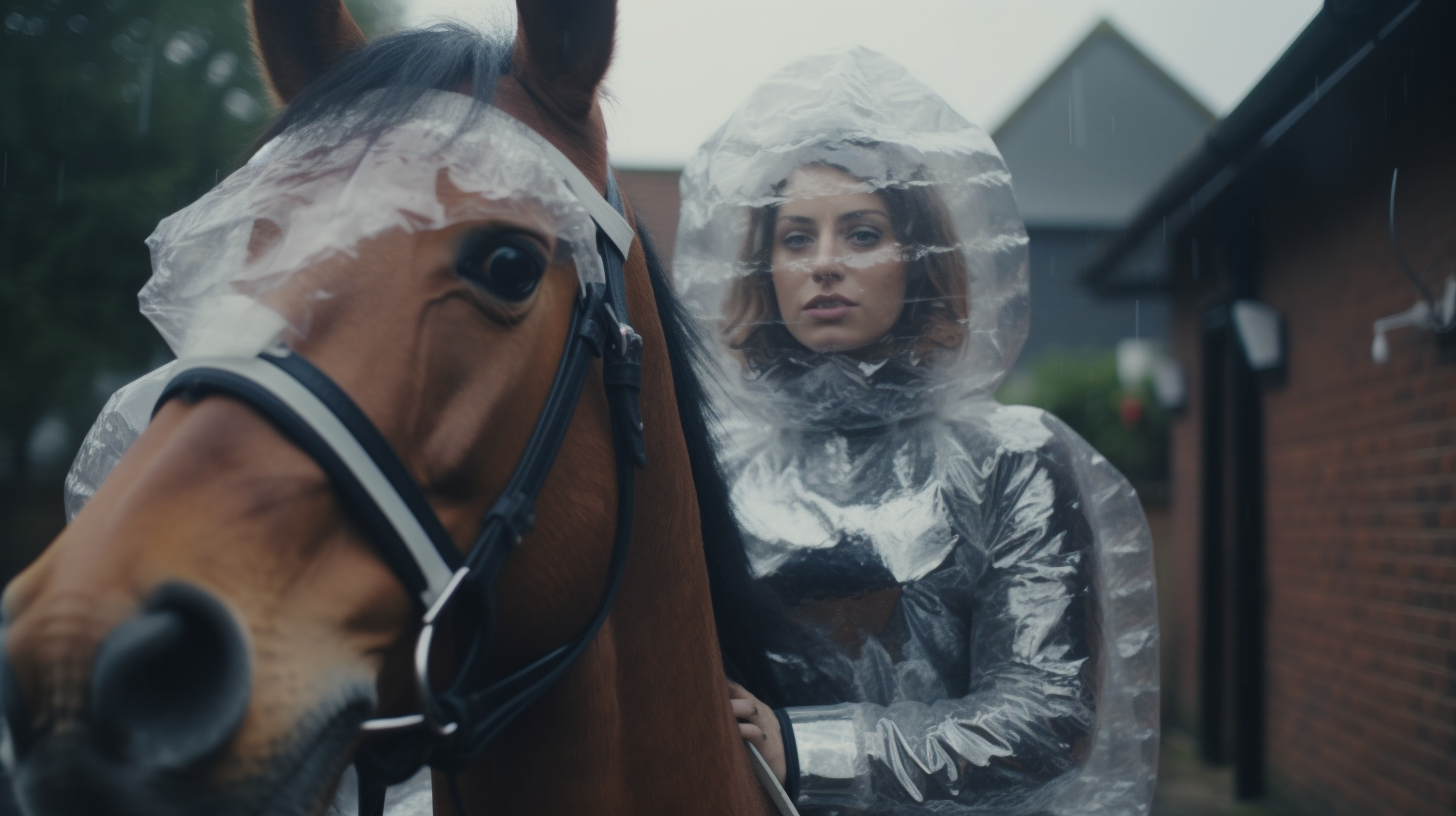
507	266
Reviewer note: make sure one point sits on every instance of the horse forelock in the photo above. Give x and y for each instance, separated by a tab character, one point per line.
394	71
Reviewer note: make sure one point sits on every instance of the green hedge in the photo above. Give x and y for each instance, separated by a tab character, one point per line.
1126	426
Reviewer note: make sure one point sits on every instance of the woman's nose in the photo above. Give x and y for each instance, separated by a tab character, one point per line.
828	266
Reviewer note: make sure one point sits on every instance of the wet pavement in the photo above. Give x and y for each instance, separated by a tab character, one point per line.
1188	787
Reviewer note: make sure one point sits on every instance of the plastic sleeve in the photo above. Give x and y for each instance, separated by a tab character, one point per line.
791	753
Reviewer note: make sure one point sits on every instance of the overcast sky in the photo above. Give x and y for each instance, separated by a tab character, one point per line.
683	65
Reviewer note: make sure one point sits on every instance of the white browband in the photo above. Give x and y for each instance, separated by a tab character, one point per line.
612	223
310	409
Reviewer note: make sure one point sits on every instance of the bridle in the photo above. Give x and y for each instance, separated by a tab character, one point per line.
455	724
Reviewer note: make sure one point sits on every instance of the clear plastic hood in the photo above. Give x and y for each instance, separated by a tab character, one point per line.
321	190
859	119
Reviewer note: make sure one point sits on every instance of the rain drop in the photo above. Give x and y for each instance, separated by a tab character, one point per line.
50	440
139	28
14	21
130	91
77	23
114	5
184	47
35	26
221	67
87	71
127	47
241	105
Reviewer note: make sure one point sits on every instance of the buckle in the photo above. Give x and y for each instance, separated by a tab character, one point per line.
517	512
426	719
626	342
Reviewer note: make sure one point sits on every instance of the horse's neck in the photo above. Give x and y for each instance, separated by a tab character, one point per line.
642	724
669	668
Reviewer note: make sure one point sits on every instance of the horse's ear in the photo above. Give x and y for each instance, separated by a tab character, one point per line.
296	41
563	48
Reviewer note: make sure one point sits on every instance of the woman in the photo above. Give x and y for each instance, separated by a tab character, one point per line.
952	573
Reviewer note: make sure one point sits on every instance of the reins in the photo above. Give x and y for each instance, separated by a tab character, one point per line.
454	725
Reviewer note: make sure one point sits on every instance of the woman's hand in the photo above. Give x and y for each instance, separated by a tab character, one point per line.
758	725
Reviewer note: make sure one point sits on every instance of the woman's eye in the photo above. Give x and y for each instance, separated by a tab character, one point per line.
864	237
508	267
796	240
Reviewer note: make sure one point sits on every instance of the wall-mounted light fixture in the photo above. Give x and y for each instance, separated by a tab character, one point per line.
1429	313
1260	329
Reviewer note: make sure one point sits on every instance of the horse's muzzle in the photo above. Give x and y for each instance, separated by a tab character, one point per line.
169	688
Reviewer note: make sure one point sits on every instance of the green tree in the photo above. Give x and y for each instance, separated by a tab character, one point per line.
113	113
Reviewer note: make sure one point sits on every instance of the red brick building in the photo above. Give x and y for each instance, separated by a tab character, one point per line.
654	196
1312	644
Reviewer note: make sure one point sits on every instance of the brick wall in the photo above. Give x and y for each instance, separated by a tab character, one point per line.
654	198
1360	469
1361	520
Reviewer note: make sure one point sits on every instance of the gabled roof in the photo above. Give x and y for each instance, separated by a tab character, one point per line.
1105	30
1093	139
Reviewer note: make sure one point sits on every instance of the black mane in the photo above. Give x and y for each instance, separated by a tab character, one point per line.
454	57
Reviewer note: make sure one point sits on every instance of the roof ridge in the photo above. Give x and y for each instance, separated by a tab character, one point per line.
1103	29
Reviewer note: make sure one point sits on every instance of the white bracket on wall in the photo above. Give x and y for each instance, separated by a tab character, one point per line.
1437	317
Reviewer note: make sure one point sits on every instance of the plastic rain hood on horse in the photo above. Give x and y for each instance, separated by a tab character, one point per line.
968	586
222	265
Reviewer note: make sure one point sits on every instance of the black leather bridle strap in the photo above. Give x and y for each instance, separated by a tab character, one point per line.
622	371
490	709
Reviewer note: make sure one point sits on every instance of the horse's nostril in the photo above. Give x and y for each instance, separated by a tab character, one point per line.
170	686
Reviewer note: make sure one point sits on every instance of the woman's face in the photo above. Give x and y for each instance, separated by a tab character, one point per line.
838	271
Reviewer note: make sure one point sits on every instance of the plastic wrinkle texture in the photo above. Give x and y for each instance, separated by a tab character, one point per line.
231	272
413	797
966	587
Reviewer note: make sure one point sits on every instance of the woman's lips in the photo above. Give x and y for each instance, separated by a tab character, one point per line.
828	307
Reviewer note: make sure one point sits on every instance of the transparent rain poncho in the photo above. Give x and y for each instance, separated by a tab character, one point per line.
966	587
231	274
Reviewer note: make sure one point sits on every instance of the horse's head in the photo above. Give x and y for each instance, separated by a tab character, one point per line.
210	632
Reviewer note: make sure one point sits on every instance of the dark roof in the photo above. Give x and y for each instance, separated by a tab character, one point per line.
1339	38
1089	144
1104	30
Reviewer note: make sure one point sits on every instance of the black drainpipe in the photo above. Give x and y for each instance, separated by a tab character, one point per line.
1212	666
1233	594
1249	593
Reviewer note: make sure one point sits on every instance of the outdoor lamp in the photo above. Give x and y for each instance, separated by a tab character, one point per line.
1260	328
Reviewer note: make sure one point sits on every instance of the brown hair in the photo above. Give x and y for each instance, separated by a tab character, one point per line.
937	285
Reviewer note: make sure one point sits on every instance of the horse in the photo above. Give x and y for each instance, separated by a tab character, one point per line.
293	630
